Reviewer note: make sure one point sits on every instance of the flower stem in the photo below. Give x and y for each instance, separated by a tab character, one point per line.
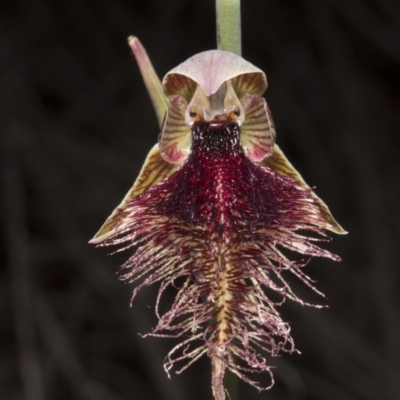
229	36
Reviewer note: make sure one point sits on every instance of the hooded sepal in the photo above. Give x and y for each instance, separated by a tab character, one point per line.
210	69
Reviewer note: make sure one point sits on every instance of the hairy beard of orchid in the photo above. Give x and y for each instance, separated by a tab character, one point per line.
215	222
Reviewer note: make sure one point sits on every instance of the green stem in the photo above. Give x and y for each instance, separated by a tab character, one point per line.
229	35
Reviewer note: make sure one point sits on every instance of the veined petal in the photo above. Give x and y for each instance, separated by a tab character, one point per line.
281	165
174	83
258	129
175	137
251	83
154	170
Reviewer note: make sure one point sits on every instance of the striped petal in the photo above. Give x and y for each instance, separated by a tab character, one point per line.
258	129
252	83
175	138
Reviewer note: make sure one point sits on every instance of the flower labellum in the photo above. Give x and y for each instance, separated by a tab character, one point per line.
214	210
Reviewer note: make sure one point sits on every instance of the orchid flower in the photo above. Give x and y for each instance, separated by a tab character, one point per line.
213	212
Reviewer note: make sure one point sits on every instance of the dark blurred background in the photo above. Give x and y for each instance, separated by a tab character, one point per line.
76	124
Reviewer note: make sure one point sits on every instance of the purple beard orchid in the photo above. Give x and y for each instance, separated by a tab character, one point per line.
213	212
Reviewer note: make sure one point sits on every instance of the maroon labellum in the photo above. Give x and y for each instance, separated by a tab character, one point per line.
216	206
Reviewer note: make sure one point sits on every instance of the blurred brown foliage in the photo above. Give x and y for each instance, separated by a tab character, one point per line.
76	125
